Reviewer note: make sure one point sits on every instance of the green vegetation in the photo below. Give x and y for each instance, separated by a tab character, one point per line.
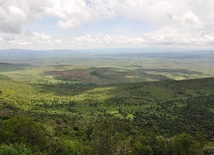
3	77
67	109
7	67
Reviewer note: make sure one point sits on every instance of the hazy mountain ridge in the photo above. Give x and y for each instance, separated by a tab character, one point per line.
23	53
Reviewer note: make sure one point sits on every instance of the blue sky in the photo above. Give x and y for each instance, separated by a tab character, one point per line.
71	24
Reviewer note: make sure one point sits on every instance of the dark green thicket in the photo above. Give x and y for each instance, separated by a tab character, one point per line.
21	135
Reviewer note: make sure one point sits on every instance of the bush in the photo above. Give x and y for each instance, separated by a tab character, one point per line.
14	149
23	130
32	134
208	150
185	144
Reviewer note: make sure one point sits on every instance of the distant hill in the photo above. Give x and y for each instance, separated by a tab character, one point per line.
6	67
152	53
22	53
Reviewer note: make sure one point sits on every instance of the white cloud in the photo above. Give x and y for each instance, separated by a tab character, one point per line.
108	41
183	22
191	19
164	37
188	19
73	13
13	13
28	39
87	40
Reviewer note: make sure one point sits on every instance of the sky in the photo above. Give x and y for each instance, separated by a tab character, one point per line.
72	24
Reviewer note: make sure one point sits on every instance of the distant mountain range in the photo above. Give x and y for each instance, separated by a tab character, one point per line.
23	53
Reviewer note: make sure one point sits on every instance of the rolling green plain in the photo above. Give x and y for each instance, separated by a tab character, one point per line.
77	102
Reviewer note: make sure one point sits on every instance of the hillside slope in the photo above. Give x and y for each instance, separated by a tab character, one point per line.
147	110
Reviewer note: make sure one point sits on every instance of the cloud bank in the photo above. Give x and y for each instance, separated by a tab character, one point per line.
178	23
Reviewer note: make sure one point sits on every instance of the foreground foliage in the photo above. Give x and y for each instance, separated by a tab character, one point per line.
158	118
25	136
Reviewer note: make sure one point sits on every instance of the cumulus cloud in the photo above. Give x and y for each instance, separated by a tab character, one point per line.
74	13
183	22
164	37
13	13
107	41
188	19
71	13
27	39
191	19
171	36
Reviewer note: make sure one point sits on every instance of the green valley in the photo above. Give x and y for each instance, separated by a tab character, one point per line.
107	104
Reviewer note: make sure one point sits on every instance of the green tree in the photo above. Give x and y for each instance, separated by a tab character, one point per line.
208	150
140	149
124	147
23	130
104	139
185	144
162	146
14	149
